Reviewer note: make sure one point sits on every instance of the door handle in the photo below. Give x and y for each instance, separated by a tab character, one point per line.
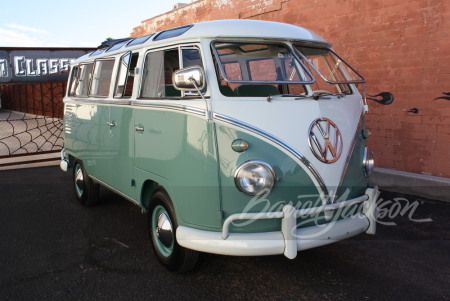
139	128
111	124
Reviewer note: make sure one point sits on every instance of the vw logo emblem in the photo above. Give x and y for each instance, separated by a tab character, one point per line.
325	140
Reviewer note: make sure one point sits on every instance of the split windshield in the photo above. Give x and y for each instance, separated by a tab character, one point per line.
328	66
254	69
264	63
250	69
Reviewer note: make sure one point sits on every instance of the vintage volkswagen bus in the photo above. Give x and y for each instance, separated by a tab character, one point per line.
237	137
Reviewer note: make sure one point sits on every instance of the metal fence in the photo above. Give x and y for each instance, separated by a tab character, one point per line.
31	119
32	86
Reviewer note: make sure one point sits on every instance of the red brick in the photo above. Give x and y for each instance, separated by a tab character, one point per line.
397	45
444	128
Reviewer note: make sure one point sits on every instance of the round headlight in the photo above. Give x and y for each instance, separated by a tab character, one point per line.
368	162
252	177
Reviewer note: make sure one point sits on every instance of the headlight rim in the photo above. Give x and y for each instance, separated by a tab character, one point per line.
368	162
248	162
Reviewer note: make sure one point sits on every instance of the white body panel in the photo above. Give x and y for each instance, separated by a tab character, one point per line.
269	243
288	240
289	120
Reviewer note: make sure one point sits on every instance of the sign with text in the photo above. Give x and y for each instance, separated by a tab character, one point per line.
36	65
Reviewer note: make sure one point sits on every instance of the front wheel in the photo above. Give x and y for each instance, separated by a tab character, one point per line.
162	226
86	191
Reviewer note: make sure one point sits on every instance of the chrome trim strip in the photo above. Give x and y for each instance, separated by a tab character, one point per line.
170	107
119	102
292	151
98	101
84	101
115	191
144	103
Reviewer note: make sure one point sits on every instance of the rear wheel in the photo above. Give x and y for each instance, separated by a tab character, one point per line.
162	228
86	191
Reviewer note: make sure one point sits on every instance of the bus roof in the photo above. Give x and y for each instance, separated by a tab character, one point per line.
253	29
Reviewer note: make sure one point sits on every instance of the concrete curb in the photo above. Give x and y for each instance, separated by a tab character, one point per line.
29	161
431	187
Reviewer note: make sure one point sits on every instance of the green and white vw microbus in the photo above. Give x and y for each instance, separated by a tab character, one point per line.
238	137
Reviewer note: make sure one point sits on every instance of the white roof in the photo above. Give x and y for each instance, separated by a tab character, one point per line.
252	29
238	29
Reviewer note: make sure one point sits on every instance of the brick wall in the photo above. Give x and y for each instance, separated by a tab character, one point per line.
400	46
44	99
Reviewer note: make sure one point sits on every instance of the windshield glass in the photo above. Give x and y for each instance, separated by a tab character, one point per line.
272	67
331	73
329	65
267	63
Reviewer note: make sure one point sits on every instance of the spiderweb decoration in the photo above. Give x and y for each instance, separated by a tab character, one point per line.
30	119
22	133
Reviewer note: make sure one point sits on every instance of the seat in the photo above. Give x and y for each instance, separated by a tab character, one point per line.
172	92
256	90
226	90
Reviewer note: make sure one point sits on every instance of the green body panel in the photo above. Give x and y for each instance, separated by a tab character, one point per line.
178	151
175	150
106	151
86	137
354	183
294	185
119	167
180	148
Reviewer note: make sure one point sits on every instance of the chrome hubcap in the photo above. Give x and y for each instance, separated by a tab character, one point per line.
164	230
79	181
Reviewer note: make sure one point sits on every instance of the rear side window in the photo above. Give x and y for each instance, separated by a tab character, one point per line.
126	74
159	68
102	78
157	74
73	80
191	57
83	79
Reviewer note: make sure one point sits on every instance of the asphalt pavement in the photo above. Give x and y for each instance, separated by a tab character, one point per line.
54	249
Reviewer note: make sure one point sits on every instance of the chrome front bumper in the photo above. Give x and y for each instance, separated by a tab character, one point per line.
64	164
289	240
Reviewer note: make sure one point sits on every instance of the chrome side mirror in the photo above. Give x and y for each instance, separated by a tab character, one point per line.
188	79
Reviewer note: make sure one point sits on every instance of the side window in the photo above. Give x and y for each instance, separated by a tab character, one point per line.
126	73
102	78
73	80
191	57
84	78
157	74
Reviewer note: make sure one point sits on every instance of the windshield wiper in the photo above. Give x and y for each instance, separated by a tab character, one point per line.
298	96
317	96
321	95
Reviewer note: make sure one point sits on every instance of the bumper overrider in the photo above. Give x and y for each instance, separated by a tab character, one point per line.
290	239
